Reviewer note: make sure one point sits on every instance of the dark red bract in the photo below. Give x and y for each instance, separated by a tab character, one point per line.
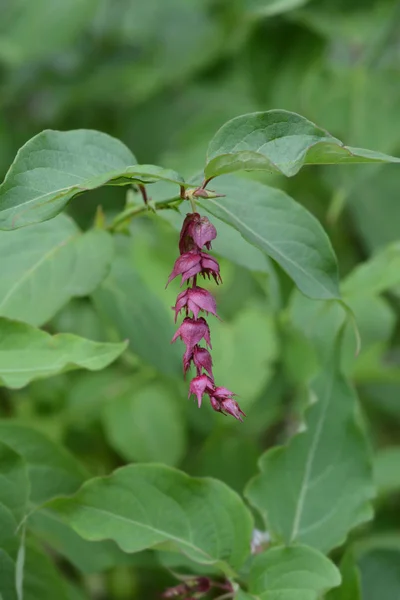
197	232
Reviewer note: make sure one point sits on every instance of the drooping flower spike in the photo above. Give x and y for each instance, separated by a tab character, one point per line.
197	232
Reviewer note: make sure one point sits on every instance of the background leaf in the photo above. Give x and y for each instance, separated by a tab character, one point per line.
130	307
142	506
318	487
52	469
281	141
27	353
274	223
47	265
146	425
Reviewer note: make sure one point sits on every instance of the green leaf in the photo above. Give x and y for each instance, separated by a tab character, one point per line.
47	265
273	222
27	353
145	424
142	506
298	573
386	469
88	557
318	487
14	491
350	588
52	470
280	141
126	303
55	166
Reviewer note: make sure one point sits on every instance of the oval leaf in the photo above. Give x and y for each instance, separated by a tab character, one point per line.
55	166
298	573
142	506
27	353
280	141
273	222
47	265
318	487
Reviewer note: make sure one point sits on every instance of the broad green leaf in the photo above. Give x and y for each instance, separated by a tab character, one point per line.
379	274
129	306
297	573
142	506
318	487
280	141
52	470
387	470
55	166
14	491
41	580
27	353
146	424
48	264
277	225
350	588
246	373
88	557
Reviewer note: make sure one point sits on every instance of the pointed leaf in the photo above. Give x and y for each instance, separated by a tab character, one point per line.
298	573
142	506
27	353
273	222
280	141
52	470
318	487
47	265
55	166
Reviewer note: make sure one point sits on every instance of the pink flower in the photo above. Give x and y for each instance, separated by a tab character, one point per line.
192	263
222	401
196	232
201	385
201	358
191	331
195	299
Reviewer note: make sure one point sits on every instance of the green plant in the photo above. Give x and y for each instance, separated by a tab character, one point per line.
311	490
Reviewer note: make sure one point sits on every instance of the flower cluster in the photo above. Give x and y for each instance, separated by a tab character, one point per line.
197	233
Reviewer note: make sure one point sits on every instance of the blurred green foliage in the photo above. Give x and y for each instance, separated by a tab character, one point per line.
163	75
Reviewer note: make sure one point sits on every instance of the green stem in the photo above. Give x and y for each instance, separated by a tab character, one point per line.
125	216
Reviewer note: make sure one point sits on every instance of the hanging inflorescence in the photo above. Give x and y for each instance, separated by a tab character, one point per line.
197	233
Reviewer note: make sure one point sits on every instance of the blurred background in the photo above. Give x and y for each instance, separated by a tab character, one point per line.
163	76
